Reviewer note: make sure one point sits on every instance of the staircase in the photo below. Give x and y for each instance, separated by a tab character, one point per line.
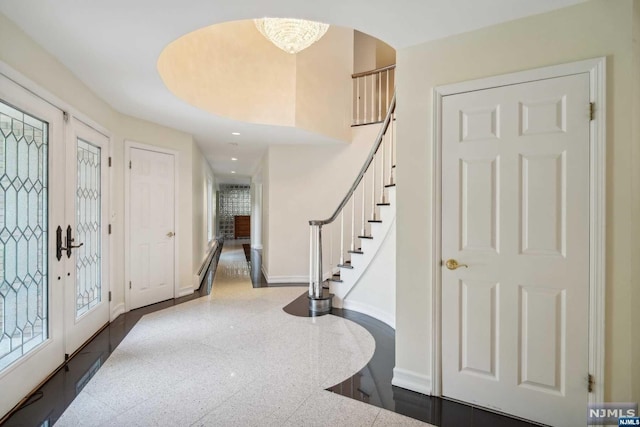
343	246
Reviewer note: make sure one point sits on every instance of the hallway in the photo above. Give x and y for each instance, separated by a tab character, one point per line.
231	358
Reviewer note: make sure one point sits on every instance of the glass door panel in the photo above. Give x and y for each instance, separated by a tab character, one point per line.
87	287
23	234
31	205
89	228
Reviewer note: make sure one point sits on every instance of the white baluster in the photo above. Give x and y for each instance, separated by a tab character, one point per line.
379	76
342	237
364	103
363	231
373	98
373	189
330	250
353	222
387	98
391	145
382	200
357	100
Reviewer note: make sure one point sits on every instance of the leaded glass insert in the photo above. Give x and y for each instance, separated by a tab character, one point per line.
23	233
88	228
234	200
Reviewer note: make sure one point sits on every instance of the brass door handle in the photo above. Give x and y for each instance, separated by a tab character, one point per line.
452	264
170	234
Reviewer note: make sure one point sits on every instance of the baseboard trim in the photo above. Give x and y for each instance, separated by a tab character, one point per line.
184	291
413	381
117	310
370	310
292	279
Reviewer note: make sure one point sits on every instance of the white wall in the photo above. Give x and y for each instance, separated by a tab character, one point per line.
201	173
256	211
303	183
588	30
375	292
25	56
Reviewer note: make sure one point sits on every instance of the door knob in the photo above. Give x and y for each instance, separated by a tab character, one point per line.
170	234
452	264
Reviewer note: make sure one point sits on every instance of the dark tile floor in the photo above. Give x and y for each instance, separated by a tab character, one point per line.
373	383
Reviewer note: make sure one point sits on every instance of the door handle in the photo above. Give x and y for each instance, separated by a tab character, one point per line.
171	234
452	264
69	239
70	245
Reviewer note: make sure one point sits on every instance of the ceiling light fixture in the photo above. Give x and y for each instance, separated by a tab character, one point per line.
235	133
233	171
234	159
291	35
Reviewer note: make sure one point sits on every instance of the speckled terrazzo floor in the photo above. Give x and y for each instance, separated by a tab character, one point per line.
232	358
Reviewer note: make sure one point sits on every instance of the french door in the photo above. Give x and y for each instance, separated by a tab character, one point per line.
52	240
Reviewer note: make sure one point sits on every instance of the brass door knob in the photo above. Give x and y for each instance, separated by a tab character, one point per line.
452	264
170	234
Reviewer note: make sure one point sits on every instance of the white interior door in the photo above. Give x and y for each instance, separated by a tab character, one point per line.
31	207
152	227
515	210
87	287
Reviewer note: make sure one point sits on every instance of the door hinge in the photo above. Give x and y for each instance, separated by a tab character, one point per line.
109	161
592	111
65	116
129	285
109	228
129	164
109	296
590	383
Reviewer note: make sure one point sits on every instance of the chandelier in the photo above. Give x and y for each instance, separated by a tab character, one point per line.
291	35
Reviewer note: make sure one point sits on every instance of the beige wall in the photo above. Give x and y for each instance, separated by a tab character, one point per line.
385	54
323	85
304	183
589	30
231	70
28	58
635	254
364	52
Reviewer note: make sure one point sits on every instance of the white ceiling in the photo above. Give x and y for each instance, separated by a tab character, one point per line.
113	47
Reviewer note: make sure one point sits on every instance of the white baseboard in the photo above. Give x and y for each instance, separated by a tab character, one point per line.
413	381
370	310
292	279
117	310
184	291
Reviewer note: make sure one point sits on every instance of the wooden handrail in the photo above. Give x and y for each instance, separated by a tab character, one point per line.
376	71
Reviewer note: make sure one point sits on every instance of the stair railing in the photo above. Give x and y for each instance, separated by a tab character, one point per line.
381	157
371	95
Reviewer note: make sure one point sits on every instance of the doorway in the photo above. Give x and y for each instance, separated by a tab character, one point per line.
151	232
521	184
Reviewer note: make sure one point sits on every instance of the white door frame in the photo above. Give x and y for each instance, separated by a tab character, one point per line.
128	145
597	146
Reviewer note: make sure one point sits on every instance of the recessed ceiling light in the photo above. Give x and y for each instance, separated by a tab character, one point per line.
233	171
234	158
235	133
